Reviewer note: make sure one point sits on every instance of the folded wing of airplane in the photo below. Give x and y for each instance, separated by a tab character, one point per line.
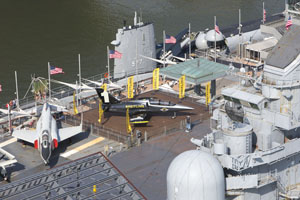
168	62
26	135
110	85
65	133
74	86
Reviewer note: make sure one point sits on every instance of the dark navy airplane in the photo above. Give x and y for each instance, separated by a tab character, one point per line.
139	108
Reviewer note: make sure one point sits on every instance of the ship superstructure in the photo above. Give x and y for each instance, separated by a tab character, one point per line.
133	42
255	135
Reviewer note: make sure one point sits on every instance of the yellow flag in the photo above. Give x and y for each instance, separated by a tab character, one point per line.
104	86
128	121
74	104
182	86
100	111
207	93
130	87
155	79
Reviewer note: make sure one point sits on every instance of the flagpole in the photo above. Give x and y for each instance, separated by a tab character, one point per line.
108	70
263	13
215	39
17	91
76	93
190	49
136	64
164	53
49	87
240	34
79	66
240	37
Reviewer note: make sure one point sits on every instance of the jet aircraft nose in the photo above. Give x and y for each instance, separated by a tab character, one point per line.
45	152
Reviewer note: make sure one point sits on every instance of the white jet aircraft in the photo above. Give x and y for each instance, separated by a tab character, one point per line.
46	136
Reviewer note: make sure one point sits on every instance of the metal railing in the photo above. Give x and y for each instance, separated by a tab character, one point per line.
64	91
122	136
96	129
280	83
165	130
187	98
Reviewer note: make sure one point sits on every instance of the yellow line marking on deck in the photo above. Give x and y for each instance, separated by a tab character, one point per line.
80	148
7	142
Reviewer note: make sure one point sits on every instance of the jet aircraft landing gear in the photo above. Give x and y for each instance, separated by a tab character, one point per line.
174	116
4	175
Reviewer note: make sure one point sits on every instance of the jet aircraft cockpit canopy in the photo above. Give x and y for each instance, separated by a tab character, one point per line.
163	103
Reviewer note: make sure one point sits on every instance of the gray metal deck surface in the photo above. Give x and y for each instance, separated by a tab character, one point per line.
75	180
146	166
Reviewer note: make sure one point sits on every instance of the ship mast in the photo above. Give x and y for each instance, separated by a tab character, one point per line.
49	87
17	91
79	66
190	49
215	39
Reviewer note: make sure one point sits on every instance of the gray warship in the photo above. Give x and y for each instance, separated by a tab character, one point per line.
253	150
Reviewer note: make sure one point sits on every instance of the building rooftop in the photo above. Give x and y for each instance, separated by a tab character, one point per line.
196	71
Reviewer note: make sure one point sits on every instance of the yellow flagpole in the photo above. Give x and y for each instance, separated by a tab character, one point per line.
130	87
128	122
155	79
182	86
74	104
207	93
100	111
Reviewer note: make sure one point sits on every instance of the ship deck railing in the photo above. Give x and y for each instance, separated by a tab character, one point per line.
63	91
280	82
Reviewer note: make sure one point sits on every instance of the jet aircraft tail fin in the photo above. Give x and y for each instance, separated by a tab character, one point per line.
106	97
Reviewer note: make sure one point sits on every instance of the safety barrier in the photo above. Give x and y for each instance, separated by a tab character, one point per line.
96	129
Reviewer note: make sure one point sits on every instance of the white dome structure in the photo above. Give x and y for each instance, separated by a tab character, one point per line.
201	42
210	36
195	175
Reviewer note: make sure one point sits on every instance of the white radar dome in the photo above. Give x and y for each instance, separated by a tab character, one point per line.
195	175
210	36
201	42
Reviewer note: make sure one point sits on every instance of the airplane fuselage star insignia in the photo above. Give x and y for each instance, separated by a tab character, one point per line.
164	109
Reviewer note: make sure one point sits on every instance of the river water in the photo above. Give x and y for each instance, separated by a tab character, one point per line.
35	32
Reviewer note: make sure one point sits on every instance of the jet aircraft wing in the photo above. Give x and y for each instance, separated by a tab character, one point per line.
65	133
21	112
74	86
26	135
168	62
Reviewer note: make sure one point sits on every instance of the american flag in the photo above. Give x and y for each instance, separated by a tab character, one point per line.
170	39
217	28
264	19
288	23
114	54
56	70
